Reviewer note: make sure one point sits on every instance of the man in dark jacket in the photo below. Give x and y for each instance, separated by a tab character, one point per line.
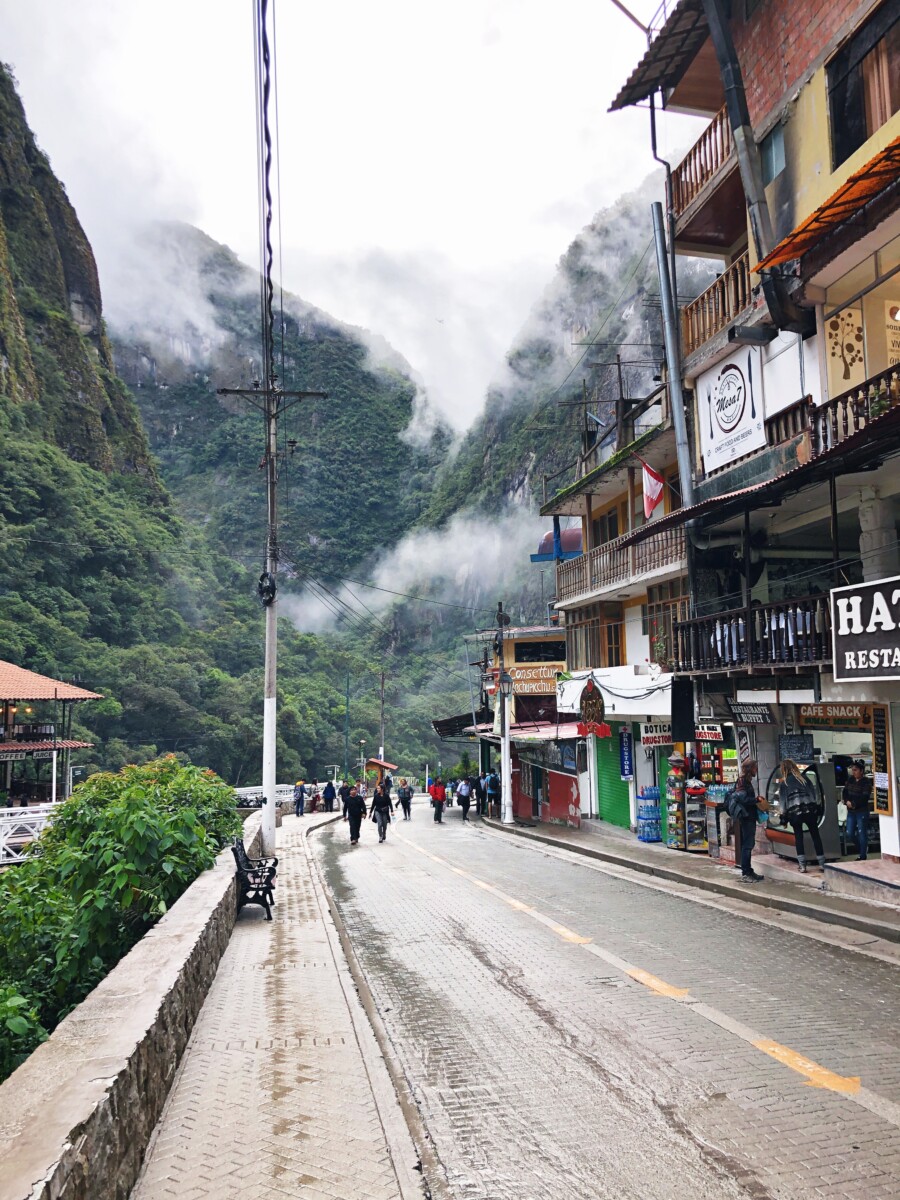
746	818
328	795
356	810
480	794
858	798
344	793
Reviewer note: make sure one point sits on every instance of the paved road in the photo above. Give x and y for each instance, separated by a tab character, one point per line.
567	1033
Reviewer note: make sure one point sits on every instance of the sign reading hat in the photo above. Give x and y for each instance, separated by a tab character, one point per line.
593	712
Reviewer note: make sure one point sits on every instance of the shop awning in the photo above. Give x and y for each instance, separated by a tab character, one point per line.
861	188
544	733
461	726
379	762
29	747
669	55
18	684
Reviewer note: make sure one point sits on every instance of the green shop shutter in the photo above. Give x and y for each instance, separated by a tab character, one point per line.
613	799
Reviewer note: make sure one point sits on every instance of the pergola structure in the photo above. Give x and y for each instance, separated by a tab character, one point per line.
26	735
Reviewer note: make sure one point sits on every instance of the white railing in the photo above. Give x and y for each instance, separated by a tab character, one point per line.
18	827
284	793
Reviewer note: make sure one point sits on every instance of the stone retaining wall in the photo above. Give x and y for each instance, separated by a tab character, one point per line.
76	1117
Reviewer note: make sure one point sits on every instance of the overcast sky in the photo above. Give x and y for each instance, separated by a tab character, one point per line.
436	160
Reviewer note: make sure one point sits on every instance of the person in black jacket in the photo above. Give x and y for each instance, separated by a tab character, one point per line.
858	798
328	795
799	807
344	793
382	807
356	810
405	795
746	818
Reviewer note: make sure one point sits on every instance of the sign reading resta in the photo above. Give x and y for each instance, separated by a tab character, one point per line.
865	625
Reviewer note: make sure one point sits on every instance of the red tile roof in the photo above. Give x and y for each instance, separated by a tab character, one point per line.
18	684
61	744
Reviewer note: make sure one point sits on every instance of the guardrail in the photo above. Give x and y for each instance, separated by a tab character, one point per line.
785	633
18	827
706	157
719	306
851	411
612	564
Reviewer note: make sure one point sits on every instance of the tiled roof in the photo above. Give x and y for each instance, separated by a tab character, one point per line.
18	684
49	744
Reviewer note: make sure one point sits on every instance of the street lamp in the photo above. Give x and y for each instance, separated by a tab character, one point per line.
362	761
506	689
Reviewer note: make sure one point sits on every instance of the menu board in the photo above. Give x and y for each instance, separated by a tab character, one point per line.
883	798
796	746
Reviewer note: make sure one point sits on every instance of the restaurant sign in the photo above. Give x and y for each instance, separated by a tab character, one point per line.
836	716
535	679
751	714
730	409
865	630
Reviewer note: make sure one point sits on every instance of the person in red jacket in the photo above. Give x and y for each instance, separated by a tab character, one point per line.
438	794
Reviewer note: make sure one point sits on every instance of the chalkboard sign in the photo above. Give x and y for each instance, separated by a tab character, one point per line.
881	762
798	746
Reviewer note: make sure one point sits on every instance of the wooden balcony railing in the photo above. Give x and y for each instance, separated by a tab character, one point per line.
851	411
717	307
613	564
787	633
710	152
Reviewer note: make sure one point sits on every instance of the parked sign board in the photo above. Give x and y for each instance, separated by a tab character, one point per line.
865	630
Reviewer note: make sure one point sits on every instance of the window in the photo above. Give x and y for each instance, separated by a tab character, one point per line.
538	652
666	604
771	150
613	647
864	82
605	528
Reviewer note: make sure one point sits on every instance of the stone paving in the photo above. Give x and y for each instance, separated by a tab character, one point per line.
282	1091
541	1071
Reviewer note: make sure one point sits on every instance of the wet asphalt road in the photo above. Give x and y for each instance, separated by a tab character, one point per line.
569	1034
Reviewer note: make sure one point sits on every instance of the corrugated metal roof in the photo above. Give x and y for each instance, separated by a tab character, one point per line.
668	56
18	684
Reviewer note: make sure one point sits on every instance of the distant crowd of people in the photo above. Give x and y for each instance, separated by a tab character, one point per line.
484	789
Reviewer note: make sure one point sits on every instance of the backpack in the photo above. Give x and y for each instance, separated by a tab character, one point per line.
737	804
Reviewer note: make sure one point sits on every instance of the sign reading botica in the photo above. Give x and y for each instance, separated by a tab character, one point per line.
865	630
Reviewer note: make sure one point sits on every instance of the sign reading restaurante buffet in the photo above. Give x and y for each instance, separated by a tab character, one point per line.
865	630
730	409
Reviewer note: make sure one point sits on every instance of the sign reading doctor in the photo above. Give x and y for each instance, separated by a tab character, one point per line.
730	409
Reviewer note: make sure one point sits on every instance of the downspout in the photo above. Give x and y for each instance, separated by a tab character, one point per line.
670	221
784	311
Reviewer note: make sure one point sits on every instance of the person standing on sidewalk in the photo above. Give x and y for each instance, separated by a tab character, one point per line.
799	807
382	807
464	795
438	794
356	810
745	805
480	794
493	789
299	797
858	798
328	795
405	795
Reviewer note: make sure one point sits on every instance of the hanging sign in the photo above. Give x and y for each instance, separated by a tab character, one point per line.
626	754
535	679
882	792
746	744
730	409
593	712
751	714
865	630
836	716
12	755
708	732
659	733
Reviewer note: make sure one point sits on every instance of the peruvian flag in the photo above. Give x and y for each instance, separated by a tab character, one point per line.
653	488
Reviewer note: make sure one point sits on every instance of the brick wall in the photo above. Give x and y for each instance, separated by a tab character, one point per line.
783	42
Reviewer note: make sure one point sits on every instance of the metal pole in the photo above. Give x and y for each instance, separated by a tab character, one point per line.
670	332
270	713
506	804
381	745
347	729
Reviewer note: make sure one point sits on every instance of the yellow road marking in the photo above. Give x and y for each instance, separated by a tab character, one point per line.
815	1075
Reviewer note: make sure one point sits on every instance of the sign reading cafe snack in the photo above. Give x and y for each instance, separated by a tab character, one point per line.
730	410
865	630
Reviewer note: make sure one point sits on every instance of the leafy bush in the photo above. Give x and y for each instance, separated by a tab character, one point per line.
120	851
20	1030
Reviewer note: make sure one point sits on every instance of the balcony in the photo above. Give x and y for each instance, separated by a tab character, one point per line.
615	566
718	307
852	411
713	150
784	636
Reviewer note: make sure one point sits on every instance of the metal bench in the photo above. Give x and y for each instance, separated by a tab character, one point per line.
256	885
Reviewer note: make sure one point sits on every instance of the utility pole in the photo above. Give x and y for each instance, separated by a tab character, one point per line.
347	728
504	687
381	746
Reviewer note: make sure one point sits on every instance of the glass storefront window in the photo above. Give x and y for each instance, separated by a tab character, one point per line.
862	320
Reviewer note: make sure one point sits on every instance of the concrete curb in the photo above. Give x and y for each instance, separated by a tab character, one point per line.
78	1114
860	922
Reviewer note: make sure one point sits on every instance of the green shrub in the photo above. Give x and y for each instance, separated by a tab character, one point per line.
119	852
20	1030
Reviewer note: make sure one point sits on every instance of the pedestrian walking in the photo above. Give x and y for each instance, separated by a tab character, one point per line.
356	810
742	805
314	796
438	795
388	782
799	807
299	797
328	795
858	798
492	787
405	795
344	793
464	795
480	794
382	807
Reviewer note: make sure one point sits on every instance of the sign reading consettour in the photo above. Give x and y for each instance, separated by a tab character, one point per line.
865	630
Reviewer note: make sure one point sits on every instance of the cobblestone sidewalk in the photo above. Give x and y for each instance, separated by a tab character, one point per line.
282	1090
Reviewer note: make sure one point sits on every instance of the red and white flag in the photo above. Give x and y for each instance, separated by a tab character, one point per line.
653	488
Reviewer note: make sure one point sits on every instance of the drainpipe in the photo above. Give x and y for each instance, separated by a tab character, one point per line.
784	311
670	222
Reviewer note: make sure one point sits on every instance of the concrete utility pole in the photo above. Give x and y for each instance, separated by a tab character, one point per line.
504	684
381	746
347	729
271	402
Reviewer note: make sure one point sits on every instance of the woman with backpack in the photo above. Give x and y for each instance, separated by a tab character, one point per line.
405	795
742	804
800	807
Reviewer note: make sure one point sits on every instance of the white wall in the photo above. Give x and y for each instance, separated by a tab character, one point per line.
790	372
637	644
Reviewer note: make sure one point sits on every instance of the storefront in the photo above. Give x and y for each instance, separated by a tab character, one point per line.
546	774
